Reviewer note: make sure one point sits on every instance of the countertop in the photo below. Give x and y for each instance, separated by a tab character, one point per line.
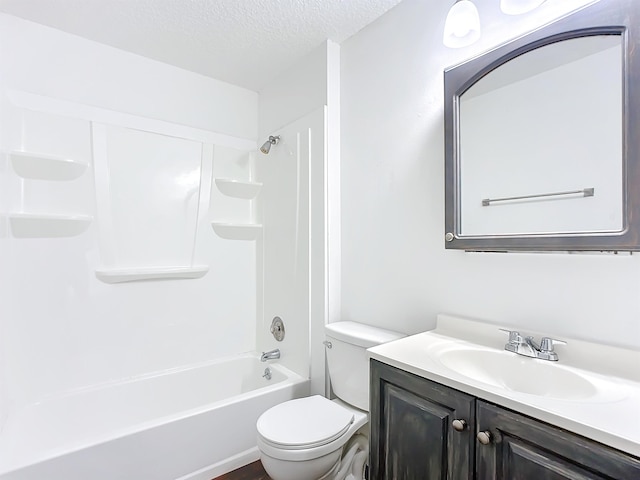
611	417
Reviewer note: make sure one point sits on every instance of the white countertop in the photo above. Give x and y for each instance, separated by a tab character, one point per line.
611	416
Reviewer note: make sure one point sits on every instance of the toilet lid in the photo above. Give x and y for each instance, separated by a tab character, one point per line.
304	423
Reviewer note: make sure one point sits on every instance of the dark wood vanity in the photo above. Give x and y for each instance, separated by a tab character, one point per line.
421	430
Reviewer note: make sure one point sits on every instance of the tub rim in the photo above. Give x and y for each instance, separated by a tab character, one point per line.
291	378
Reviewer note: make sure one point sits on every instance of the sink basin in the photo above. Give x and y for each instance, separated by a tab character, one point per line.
518	373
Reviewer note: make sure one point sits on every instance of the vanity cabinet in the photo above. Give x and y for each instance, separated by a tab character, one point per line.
523	448
412	433
423	430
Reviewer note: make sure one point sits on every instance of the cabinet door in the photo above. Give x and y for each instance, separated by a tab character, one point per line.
522	448
412	437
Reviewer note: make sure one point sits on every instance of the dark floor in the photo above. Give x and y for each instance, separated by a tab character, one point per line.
253	471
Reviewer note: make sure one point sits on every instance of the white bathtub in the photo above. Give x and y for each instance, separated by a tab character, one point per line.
190	424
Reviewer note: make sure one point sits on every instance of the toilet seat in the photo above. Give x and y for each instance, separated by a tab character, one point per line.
307	428
304	423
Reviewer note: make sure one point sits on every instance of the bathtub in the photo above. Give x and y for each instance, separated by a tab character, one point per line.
190	423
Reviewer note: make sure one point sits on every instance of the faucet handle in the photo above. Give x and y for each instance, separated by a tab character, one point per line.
547	343
514	337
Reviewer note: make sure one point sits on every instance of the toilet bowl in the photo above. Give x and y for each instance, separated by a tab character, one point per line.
305	438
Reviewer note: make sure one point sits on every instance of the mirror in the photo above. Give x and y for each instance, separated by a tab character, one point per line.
540	146
540	126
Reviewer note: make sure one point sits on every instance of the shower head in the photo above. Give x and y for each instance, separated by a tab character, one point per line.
273	140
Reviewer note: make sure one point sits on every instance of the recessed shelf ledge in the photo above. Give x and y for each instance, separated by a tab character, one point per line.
30	225
237	231
122	275
238	188
46	167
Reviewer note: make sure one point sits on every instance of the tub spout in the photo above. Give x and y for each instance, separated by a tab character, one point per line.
270	355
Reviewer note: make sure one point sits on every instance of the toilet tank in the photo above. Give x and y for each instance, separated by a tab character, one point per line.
347	359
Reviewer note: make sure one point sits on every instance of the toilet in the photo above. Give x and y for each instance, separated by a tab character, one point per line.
314	438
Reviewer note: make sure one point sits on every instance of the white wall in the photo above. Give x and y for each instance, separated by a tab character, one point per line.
395	270
60	327
297	91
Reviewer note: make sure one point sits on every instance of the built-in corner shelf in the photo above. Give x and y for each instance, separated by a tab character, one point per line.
29	225
122	275
237	188
46	167
237	231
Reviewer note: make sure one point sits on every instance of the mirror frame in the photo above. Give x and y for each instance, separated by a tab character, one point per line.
607	17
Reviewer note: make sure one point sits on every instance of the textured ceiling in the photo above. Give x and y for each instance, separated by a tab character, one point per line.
244	42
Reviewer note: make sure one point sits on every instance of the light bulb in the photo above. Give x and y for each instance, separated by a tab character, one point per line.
462	26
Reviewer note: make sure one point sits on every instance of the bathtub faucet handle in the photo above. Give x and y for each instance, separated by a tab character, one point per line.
270	355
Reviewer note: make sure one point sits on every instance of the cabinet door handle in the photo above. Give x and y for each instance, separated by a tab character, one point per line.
484	437
459	425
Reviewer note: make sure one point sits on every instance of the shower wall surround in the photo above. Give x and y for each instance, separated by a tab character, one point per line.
148	191
302	104
121	152
291	249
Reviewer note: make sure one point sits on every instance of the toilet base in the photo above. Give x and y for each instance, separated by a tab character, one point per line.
334	466
322	468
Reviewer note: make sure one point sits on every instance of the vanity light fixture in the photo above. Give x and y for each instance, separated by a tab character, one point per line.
517	7
462	26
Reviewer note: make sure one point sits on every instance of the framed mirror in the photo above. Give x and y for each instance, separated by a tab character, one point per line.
541	138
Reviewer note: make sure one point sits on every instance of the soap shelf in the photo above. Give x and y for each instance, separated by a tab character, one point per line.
133	274
29	225
46	167
237	231
237	188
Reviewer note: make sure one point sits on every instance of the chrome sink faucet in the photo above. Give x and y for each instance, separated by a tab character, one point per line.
529	348
270	355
